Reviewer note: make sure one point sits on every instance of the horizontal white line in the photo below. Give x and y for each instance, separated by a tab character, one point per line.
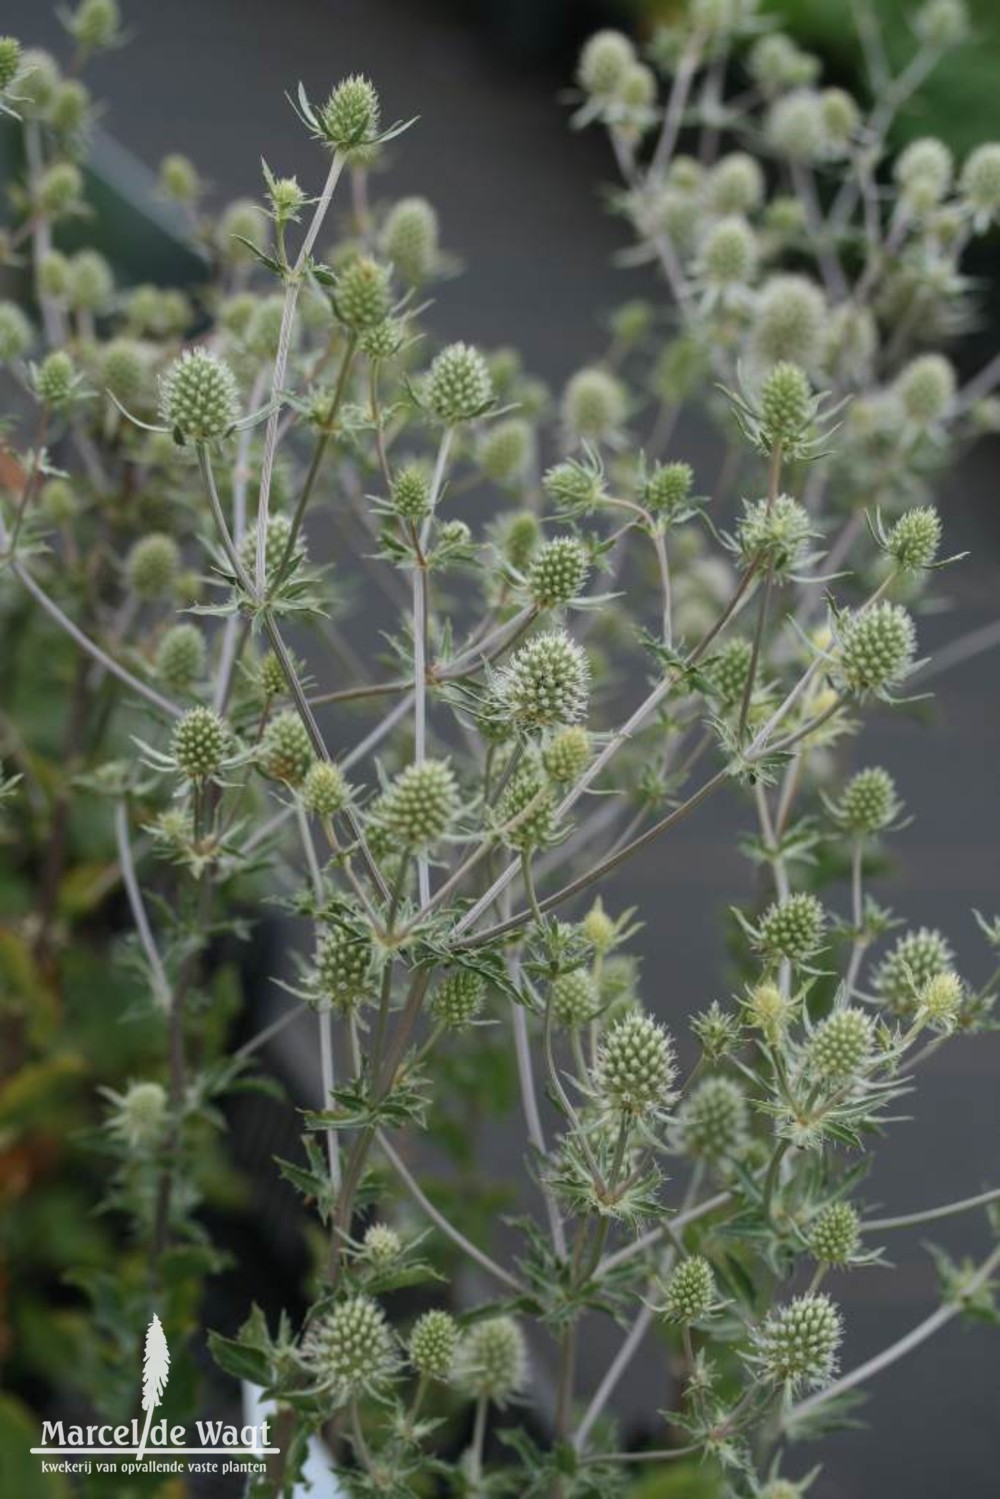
154	1451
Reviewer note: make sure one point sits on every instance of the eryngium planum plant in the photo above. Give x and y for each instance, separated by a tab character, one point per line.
438	806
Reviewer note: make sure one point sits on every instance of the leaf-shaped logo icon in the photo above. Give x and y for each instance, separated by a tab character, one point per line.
155	1372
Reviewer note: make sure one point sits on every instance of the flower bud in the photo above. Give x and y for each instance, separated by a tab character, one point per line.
604	61
980	180
593	405
913	541
180	657
10	60
875	647
834	1233
140	1116
868	802
519	536
15	333
567	755
735	185
151	566
546	682
728	255
411	492
37	81
91	284
558	572
199	401
285	752
713	1122
59	502
598	927
927	389
797	1343
789	322
243	220
199	743
506	449
768	1010
124	369
421	804
924	168
774	533
324	789
382	1245
343	967
795	126
433	1344
350	1350
525	811
410	239
727	671
939	1002
942	23
668	488
350	117
786	403
459	387
179	179
690	1291
776	62
362	296
60	188
55	379
840	1045
636	1068
95	24
69	106
841	116
904	972
458	999
492	1360
574	999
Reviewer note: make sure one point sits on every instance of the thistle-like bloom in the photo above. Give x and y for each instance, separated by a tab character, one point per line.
15	332
735	185
362	296
181	657
834	1233
459	387
727	671
546	682
689	1293
567	755
868	803
913	540
351	1352
411	492
927	389
343	966
558	572
774	532
939	1002
324	790
458	999
796	126
433	1344
199	400
875	647
350	117
506	449
410	238
492	1360
199	743
151	565
789	322
786	404
980	182
796	1346
574	998
421	803
525	813
914	959
604	62
286	752
668	488
10	60
728	255
593	405
791	929
636	1067
381	1246
714	1121
55	379
840	1046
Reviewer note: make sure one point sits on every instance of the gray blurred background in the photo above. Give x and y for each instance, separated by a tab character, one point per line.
520	202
